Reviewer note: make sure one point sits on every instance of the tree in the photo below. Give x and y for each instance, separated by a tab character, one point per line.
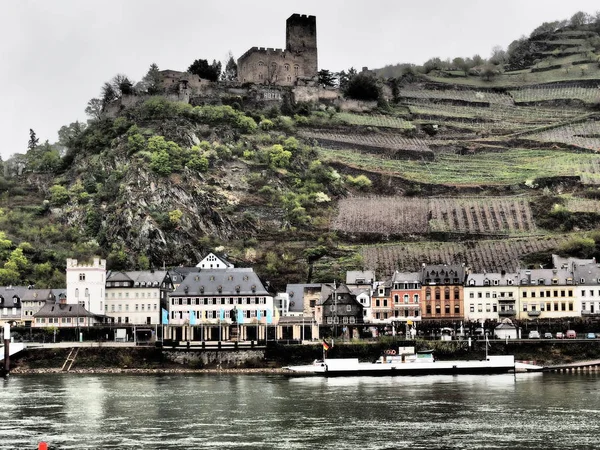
498	56
344	77
204	70
363	86
580	18
33	140
122	85
150	84
489	71
69	133
231	69
109	94
326	78
94	109
461	64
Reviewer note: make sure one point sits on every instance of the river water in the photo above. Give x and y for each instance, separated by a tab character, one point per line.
183	411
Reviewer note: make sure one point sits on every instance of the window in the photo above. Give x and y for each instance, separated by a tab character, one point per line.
472	308
416	298
428	309
471	294
82	277
348	308
456	309
405	298
438	309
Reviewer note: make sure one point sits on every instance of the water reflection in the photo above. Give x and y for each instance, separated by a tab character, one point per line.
530	411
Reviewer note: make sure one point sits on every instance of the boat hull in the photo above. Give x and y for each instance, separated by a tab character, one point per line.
351	367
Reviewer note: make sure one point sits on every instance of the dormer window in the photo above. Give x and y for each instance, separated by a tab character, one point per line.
212	278
196	278
186	289
237	289
219	289
253	288
202	289
245	277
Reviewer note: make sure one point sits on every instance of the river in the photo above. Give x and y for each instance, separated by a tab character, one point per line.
183	411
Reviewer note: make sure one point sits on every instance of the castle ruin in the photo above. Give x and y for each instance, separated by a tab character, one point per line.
295	64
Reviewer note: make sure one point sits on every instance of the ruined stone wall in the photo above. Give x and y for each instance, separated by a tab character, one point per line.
316	94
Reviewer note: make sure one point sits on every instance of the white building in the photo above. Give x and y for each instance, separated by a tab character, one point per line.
491	296
85	284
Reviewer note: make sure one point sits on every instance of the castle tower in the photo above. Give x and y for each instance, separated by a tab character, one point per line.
301	39
85	284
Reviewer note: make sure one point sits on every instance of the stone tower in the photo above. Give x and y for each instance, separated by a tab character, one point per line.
301	39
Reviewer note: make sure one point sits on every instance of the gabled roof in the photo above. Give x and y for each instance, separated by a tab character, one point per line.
8	294
212	261
38	295
409	277
63	310
366	276
140	276
296	295
328	289
243	281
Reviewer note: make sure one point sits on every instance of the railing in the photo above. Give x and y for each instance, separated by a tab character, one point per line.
507	312
533	313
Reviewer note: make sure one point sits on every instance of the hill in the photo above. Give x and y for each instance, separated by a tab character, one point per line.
493	169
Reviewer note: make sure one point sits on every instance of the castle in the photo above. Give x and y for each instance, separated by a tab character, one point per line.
295	64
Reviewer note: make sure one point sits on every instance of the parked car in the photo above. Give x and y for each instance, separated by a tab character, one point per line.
560	335
534	334
547	335
571	334
590	336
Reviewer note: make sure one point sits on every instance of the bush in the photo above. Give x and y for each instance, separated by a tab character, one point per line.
58	195
361	181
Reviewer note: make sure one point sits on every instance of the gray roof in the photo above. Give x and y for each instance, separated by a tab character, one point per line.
367	275
545	277
140	276
442	272
39	295
588	274
232	281
8	294
492	279
63	310
558	262
296	294
411	277
327	289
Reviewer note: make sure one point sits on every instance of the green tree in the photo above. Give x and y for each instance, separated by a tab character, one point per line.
160	162
204	70
326	78
231	70
68	134
150	84
33	140
279	157
363	86
58	195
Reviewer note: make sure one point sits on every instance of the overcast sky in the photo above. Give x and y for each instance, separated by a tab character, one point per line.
56	54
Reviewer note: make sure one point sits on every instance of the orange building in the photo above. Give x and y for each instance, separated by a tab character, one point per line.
442	291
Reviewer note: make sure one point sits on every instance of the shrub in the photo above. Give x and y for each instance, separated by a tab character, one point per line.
59	195
361	181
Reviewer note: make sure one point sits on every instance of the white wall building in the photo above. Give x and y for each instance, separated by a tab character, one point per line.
491	296
85	284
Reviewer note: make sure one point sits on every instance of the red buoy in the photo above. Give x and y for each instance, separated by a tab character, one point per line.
42	446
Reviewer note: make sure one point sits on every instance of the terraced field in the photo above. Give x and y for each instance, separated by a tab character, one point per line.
584	135
480	256
552	93
401	215
511	167
375	120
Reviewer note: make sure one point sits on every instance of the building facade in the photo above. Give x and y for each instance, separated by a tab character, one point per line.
491	296
442	288
284	67
406	296
85	284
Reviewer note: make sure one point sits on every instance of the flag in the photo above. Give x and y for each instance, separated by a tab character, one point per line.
203	316
192	317
165	316
240	316
222	314
269	316
258	314
276	314
409	322
325	345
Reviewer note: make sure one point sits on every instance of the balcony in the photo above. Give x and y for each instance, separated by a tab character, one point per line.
507	313
533	313
587	312
506	299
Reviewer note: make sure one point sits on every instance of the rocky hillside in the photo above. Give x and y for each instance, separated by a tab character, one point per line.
496	170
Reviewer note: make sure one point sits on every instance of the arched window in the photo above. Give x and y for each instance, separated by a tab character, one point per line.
261	64
296	69
286	67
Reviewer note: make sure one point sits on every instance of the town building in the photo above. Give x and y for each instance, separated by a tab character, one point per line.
339	310
442	289
11	303
406	296
33	300
86	283
547	294
491	296
137	297
206	303
64	314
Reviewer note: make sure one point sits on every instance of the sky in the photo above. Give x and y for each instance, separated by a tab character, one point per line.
56	54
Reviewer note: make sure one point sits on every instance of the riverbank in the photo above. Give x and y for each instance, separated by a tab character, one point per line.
273	358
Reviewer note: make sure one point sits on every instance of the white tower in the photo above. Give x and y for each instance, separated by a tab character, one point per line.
85	284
